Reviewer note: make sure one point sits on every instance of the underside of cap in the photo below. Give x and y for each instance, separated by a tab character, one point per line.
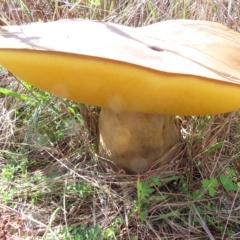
181	67
121	86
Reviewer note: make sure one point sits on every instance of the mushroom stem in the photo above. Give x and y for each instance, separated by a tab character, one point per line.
135	140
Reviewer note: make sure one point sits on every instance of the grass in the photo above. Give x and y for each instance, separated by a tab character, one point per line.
53	185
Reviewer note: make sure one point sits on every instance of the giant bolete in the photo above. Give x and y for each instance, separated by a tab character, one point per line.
141	77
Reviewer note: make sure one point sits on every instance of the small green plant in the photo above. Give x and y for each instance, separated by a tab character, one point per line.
82	232
110	233
228	180
144	191
210	185
82	189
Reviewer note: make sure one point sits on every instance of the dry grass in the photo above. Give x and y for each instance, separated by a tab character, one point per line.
52	183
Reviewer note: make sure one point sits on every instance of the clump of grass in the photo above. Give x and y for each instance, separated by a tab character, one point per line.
54	186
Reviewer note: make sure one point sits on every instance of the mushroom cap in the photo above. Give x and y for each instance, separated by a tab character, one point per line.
182	67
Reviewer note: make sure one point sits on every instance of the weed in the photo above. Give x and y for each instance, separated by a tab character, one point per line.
229	180
210	185
82	189
144	191
82	232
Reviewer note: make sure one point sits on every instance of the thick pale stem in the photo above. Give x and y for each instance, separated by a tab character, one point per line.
134	141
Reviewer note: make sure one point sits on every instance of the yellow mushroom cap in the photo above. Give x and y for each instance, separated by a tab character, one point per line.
182	67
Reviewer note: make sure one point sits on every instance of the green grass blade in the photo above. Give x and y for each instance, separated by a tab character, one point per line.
15	94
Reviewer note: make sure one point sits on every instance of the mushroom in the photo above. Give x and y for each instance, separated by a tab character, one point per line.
141	77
